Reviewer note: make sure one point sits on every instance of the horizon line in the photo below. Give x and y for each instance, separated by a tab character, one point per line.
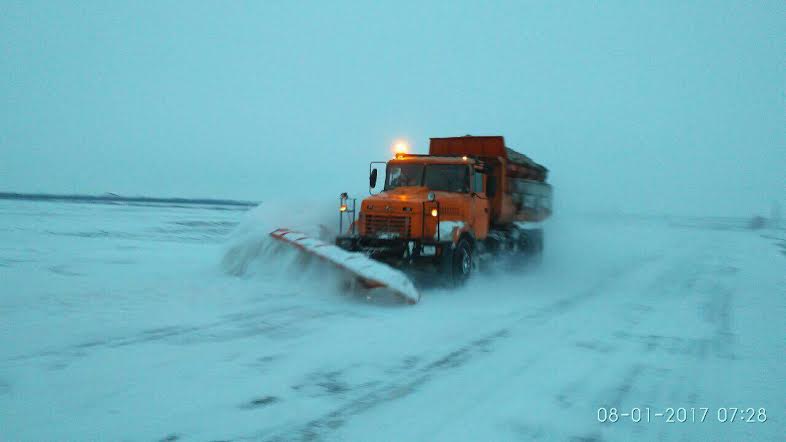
113	197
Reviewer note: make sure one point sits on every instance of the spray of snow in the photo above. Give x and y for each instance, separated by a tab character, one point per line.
446	229
251	251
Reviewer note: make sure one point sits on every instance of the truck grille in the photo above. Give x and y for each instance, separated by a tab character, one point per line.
450	211
388	226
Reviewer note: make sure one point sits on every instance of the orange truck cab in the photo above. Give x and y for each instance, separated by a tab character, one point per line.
470	197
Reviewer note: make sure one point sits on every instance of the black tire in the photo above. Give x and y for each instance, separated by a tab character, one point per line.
536	252
531	242
538	256
530	247
462	264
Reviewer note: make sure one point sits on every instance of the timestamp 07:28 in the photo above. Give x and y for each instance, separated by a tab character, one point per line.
683	414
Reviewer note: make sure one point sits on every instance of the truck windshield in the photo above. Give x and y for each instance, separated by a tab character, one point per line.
403	175
444	177
447	177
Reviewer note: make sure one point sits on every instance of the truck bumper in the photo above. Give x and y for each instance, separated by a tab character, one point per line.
396	252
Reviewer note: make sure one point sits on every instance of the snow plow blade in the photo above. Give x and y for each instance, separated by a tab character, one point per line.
371	274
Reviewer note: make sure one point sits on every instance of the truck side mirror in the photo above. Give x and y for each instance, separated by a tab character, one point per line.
372	179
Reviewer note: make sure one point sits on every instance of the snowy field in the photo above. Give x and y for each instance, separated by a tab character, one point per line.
156	322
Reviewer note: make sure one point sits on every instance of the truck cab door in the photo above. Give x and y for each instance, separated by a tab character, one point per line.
480	212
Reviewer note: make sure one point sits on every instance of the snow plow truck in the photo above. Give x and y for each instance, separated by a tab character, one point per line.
469	199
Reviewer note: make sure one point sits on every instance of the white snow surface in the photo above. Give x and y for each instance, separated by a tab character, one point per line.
446	229
155	322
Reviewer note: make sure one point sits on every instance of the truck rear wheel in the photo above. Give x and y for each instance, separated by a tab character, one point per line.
530	247
535	242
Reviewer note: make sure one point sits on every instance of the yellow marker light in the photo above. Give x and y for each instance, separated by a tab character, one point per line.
343	208
464	158
434	212
400	148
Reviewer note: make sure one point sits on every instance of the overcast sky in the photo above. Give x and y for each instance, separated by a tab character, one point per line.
658	107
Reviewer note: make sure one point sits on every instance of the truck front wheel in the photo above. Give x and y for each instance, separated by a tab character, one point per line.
462	262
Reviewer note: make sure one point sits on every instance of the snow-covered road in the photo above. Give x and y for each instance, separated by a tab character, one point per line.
119	322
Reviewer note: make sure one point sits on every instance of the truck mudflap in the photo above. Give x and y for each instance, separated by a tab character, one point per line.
371	274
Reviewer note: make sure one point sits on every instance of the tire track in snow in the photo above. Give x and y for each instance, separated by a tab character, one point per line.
663	375
410	380
277	322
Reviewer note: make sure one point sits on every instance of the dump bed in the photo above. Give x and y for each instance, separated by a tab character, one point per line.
490	147
524	195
